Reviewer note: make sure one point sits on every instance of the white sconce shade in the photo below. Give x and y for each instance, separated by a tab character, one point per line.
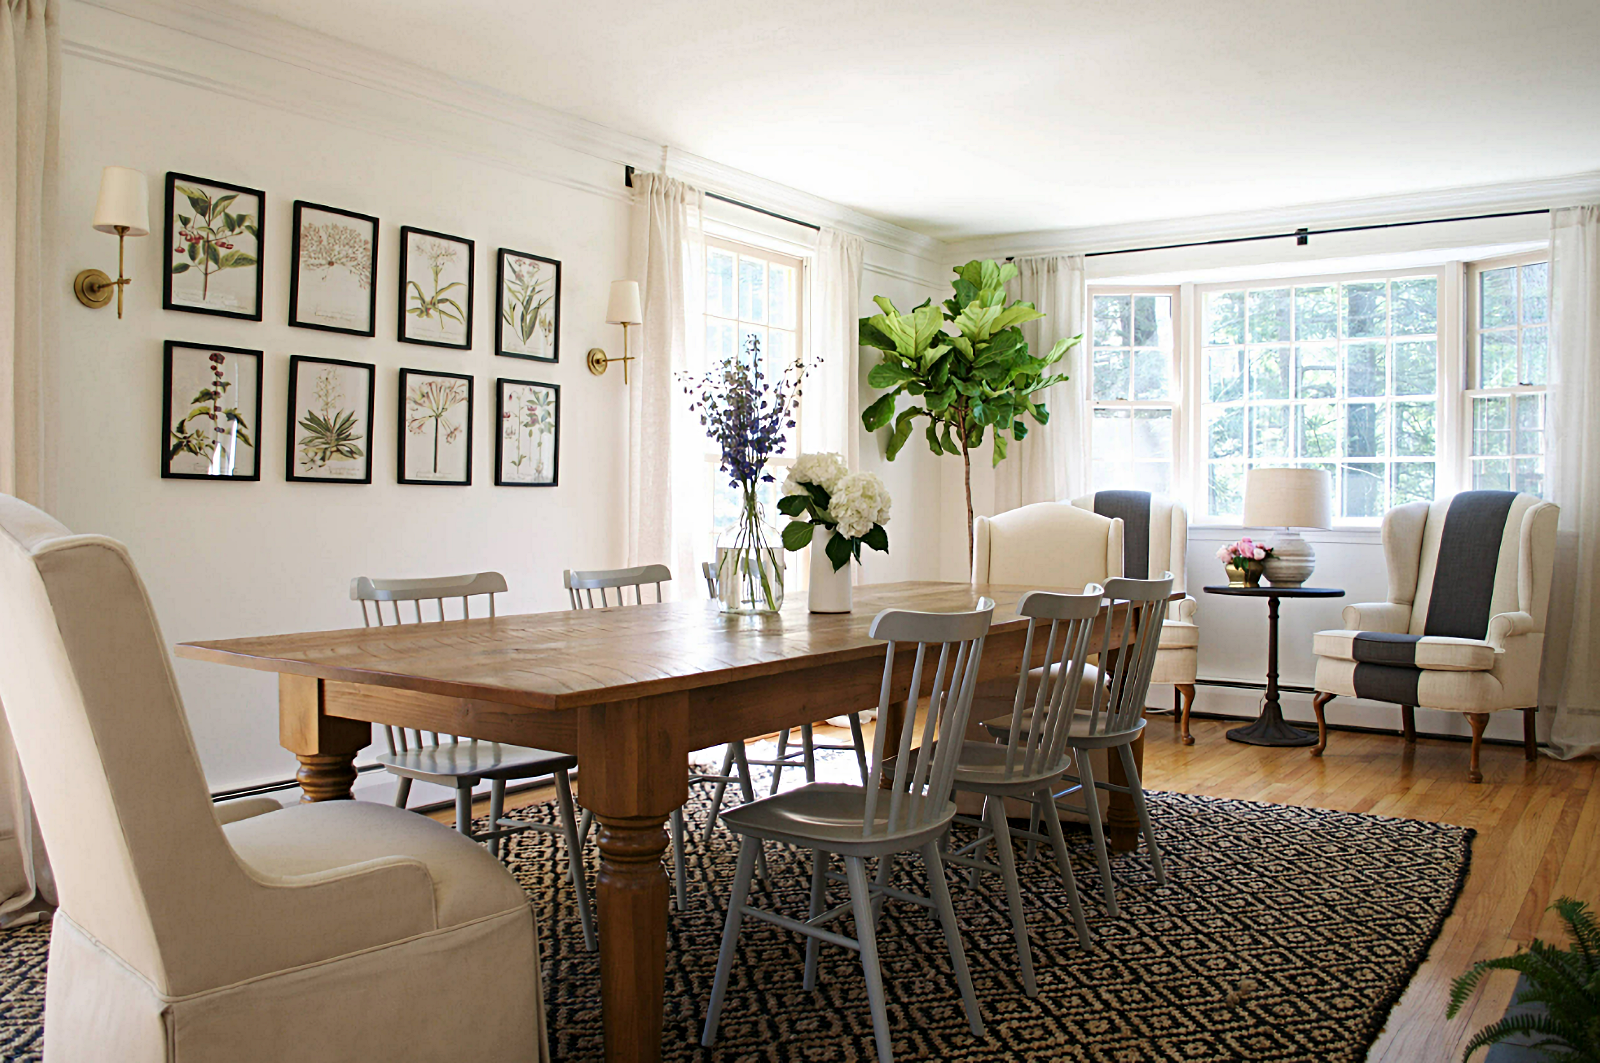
1288	498
623	308
124	201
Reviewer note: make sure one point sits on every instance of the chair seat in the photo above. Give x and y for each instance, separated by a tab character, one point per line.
467	761
1179	633
829	816
1078	732
468	883
1432	653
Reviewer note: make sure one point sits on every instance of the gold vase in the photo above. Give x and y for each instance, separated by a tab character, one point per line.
1248	576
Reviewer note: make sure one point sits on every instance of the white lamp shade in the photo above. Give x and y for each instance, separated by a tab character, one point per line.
1288	498
124	200
624	306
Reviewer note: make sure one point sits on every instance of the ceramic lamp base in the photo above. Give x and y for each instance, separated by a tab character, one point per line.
1292	560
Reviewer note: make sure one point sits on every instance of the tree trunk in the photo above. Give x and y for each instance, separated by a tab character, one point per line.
966	462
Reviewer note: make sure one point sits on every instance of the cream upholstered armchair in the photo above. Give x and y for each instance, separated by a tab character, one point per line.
1155	539
327	932
1463	629
1049	546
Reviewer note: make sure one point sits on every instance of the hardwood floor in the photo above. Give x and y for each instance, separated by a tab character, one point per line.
1538	838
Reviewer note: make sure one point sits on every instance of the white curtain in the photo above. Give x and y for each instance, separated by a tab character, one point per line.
1051	462
668	489
830	415
30	111
1573	633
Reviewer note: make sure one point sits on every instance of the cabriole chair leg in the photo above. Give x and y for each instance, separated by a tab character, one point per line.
1186	695
1318	704
1477	721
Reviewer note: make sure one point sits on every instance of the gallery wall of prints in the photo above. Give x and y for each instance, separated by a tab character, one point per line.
226	555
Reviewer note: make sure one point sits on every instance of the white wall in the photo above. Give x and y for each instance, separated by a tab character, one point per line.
233	559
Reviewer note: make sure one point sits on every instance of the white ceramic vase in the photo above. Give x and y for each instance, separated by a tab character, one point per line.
830	590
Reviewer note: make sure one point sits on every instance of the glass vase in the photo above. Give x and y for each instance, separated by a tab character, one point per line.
750	563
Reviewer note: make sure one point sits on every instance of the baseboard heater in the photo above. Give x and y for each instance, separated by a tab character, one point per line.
1289	688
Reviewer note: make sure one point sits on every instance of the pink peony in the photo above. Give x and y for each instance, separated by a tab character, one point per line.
1260	554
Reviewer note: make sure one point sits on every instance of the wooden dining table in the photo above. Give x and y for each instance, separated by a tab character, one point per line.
631	691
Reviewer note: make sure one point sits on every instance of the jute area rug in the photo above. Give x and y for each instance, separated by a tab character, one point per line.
1282	934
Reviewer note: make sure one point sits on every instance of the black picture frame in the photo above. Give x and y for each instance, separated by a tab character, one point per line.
172	233
294	426
300	206
406	233
252	426
403	436
500	307
500	449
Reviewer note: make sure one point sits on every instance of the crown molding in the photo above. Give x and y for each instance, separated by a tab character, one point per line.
318	58
1412	206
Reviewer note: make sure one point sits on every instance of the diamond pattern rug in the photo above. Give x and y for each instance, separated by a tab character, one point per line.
1282	934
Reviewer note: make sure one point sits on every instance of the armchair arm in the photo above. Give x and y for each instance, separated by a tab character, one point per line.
1509	625
1183	610
1391	617
233	811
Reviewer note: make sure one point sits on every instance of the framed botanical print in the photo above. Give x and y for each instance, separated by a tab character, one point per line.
528	307
332	270
210	412
214	237
330	421
435	428
527	443
435	289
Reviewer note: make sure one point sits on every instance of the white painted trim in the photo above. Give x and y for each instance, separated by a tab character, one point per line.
315	56
1228	533
1413	206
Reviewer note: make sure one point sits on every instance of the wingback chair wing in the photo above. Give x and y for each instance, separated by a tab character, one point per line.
1463	629
324	932
1052	546
1155	539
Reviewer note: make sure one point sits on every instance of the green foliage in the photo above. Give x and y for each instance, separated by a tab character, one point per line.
809	512
329	437
1566	983
978	381
205	237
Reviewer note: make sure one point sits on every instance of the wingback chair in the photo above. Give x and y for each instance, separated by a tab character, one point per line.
1051	546
323	932
1155	540
1463	629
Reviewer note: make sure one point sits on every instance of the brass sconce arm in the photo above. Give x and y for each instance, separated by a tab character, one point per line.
597	361
93	288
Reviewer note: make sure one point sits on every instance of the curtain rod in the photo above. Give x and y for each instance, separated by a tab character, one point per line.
628	180
1303	236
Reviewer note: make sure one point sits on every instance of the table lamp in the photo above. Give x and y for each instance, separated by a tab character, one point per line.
1288	499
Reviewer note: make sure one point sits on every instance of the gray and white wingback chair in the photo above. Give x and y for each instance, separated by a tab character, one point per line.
1463	629
1155	540
246	933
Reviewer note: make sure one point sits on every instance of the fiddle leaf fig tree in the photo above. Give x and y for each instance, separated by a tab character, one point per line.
966	381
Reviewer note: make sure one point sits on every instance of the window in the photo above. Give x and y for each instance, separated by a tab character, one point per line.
1133	389
1337	373
750	293
1507	348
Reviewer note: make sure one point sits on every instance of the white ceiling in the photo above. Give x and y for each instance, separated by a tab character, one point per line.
966	119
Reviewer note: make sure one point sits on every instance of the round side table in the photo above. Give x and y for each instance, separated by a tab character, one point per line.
1270	728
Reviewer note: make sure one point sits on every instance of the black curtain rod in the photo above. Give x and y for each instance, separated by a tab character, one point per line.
1303	236
628	180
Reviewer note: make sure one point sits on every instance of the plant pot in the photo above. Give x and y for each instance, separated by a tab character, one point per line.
749	568
1248	576
830	590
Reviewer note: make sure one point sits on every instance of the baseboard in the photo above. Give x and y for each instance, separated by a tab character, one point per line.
1352	728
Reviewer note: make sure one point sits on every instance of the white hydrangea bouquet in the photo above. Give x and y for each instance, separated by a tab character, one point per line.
850	508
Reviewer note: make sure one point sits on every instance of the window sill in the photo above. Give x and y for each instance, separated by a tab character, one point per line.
1227	533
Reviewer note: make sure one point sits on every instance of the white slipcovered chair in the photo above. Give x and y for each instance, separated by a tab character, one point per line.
1155	540
1463	629
1051	546
335	931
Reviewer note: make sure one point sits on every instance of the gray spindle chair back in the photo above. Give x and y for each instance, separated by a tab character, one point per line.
372	593
1067	621
709	571
581	586
956	640
1125	676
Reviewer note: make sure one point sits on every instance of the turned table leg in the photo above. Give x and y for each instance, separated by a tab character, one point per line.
632	756
326	746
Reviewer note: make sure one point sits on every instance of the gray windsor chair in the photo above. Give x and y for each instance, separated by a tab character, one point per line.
910	814
448	760
1114	719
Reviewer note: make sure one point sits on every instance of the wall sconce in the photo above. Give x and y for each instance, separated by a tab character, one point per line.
622	310
124	209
